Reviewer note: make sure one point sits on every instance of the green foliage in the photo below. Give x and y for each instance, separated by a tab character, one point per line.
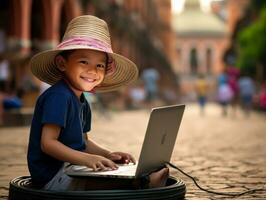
258	4
252	44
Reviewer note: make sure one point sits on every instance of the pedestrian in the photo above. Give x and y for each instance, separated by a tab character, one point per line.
233	76
262	100
222	78
82	62
224	93
4	73
202	92
150	77
135	96
247	92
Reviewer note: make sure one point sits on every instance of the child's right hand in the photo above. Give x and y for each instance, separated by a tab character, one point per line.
98	163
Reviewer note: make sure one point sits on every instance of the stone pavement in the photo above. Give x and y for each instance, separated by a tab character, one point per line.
225	154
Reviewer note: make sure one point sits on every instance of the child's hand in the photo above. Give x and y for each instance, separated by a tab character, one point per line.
120	157
99	163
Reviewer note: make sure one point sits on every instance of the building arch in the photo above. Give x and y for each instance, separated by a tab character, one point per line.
193	60
209	60
179	53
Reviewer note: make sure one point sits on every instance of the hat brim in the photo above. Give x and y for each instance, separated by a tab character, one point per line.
43	66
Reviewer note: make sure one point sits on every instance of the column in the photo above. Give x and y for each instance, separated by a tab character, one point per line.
51	29
19	36
72	9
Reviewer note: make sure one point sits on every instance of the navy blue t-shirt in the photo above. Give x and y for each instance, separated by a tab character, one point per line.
60	106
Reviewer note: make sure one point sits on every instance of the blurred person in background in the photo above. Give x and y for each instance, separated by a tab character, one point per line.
135	96
4	73
222	78
150	77
202	87
262	98
8	99
246	92
233	76
169	94
224	93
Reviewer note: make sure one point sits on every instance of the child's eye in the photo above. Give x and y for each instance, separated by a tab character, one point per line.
84	62
101	66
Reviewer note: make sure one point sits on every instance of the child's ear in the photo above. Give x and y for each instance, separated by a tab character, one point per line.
60	63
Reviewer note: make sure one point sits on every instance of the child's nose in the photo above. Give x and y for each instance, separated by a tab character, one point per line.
92	69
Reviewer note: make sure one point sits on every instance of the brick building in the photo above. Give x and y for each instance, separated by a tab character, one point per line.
36	25
202	38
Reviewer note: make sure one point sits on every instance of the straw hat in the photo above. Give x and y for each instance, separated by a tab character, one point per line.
86	32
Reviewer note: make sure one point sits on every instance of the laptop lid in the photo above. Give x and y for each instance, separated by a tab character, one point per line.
160	138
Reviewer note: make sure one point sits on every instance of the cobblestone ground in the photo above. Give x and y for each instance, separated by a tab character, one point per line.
225	154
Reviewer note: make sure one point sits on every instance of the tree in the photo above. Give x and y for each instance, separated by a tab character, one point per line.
252	47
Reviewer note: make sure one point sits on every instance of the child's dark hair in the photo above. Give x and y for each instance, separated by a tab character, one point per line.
65	54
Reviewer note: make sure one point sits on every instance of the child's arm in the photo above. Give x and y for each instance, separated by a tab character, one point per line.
51	146
94	148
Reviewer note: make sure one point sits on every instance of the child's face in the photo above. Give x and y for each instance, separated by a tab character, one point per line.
84	69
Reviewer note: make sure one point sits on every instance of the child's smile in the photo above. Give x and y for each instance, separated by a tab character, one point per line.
89	80
84	70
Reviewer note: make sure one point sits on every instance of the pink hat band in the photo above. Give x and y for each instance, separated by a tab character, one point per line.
86	42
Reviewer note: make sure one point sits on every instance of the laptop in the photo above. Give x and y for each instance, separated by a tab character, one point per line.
156	149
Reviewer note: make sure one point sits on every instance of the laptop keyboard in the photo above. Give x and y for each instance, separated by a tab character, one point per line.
124	170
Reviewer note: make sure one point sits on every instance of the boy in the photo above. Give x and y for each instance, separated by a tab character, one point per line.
82	62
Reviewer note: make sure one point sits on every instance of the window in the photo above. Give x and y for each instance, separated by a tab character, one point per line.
193	61
209	60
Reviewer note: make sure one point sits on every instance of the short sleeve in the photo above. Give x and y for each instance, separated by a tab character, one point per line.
55	108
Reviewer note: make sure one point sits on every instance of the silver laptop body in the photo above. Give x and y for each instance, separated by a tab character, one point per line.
156	149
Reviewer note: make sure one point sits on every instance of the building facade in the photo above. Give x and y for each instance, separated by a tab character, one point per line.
201	40
37	25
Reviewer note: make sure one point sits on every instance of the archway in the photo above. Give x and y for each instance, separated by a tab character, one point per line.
209	60
193	61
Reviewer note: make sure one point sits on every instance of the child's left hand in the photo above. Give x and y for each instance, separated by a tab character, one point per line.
120	157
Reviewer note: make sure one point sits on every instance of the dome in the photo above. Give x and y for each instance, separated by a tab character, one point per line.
193	21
